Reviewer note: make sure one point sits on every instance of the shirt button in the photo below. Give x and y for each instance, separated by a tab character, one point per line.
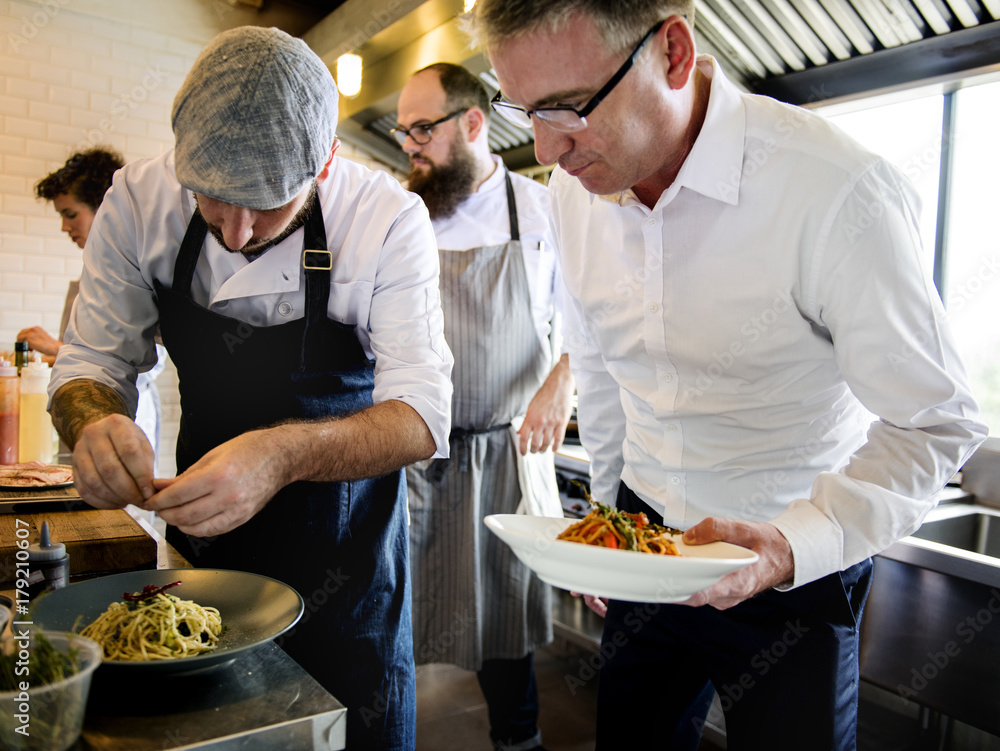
671	428
651	222
223	303
285	308
675	480
667	378
652	307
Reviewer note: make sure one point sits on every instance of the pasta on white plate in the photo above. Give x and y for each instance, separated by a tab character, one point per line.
155	625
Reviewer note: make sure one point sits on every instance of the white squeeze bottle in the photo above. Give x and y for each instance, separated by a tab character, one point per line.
37	438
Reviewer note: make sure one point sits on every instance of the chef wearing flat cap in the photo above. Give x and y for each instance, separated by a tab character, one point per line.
297	295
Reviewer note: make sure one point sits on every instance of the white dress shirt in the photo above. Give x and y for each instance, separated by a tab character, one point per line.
732	344
482	219
384	282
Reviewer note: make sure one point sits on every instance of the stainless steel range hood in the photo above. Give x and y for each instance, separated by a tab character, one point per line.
801	51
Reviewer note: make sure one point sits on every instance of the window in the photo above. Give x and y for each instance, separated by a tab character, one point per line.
972	260
909	134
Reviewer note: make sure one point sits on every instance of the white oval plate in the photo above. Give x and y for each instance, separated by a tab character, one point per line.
618	574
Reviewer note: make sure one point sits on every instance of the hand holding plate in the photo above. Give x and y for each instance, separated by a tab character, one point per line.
774	566
598	604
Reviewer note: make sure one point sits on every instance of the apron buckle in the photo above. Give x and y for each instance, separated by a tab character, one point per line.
320	260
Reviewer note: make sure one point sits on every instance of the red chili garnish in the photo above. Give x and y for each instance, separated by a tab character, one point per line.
150	590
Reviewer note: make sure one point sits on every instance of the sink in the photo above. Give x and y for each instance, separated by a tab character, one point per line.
965	526
931	628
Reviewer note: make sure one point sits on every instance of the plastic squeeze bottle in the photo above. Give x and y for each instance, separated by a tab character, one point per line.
9	404
36	437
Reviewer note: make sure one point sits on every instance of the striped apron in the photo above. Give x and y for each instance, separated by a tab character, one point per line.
472	599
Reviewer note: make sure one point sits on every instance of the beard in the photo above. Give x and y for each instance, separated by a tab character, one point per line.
444	186
257	246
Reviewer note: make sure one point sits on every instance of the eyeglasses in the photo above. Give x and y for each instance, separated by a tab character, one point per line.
422	133
562	117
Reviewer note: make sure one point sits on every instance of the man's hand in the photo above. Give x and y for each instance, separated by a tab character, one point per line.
598	604
235	480
112	458
775	566
113	463
549	411
39	340
223	489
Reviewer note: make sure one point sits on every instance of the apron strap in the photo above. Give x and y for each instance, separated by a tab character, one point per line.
515	234
317	262
187	256
515	231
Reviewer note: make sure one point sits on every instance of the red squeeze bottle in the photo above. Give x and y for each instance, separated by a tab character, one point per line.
10	398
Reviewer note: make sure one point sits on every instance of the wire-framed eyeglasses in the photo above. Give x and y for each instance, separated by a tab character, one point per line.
421	133
563	117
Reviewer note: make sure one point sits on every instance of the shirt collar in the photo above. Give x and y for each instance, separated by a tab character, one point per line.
275	272
714	167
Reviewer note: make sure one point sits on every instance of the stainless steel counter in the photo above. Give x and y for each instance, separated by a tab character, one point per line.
262	700
930	631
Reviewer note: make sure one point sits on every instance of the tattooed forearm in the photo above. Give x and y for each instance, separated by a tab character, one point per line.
81	402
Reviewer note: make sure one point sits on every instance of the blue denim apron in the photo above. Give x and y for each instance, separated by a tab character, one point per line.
342	545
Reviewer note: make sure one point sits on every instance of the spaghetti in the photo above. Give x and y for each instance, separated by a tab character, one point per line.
610	528
154	625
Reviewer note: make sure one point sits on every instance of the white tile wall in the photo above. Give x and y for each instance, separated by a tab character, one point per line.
75	73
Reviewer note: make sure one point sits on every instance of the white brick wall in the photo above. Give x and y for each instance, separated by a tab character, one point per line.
75	73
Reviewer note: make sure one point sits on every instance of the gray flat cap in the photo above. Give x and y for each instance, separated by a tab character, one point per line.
255	118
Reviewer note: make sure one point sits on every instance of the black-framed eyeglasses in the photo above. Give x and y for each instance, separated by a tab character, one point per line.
421	133
563	117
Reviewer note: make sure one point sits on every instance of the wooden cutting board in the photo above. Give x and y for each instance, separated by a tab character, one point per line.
98	541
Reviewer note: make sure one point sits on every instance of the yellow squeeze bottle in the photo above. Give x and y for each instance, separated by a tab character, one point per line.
36	435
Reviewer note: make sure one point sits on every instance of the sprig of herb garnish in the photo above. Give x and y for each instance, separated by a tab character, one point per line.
46	665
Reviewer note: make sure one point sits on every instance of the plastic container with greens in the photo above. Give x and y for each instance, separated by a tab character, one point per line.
44	685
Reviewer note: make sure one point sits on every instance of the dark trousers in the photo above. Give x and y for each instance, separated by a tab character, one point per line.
784	664
512	701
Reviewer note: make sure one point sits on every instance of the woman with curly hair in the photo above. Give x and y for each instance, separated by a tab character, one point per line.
77	188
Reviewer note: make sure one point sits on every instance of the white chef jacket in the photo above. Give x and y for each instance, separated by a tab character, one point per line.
384	282
729	343
482	219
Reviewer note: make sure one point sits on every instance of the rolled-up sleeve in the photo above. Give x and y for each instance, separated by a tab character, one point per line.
412	360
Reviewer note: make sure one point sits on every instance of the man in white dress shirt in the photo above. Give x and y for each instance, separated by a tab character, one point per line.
297	294
500	292
744	292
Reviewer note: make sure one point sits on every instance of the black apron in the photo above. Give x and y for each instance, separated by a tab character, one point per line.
341	545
